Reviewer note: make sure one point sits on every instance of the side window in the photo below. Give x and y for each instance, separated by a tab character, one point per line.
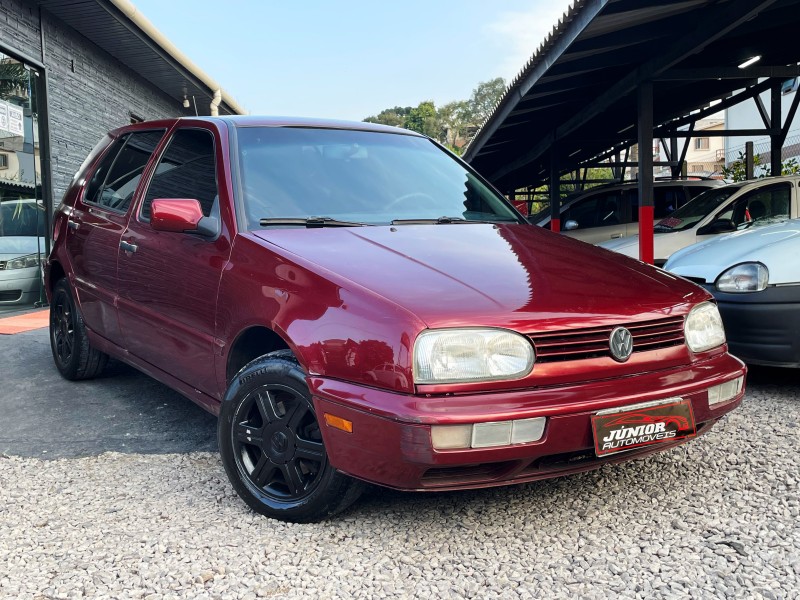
186	170
121	173
761	204
582	212
95	184
600	210
667	200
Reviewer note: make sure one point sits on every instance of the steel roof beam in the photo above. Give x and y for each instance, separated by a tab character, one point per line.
720	19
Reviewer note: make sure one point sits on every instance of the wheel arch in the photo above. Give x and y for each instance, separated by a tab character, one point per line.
249	344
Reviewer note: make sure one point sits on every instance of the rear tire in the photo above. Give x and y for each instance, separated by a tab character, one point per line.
271	444
74	356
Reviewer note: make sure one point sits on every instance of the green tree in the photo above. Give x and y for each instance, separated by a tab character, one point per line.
423	119
396	117
484	99
453	120
737	170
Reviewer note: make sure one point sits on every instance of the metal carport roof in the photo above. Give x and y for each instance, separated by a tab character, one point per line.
576	98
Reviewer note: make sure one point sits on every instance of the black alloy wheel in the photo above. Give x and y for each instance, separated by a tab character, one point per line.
62	329
278	444
272	447
74	356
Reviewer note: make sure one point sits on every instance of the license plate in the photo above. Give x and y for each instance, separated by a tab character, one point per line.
630	427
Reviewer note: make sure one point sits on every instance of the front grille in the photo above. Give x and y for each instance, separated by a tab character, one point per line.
592	342
10	295
2	265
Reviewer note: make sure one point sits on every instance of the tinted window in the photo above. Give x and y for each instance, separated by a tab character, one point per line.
359	176
117	176
23	217
767	203
95	185
599	210
187	170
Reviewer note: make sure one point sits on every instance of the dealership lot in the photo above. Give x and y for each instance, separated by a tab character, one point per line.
137	505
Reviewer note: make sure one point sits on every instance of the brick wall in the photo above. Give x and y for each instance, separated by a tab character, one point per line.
89	91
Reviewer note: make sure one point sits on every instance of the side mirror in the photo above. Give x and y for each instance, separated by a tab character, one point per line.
182	215
718	226
570	225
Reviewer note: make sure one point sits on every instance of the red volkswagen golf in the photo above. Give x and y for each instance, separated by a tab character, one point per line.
357	305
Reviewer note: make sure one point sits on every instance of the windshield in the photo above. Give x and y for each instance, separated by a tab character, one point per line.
21	218
696	210
355	177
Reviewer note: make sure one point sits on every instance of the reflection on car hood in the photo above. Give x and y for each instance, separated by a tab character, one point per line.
14	246
504	275
775	246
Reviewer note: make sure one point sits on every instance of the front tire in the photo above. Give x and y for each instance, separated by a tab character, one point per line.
74	356
272	448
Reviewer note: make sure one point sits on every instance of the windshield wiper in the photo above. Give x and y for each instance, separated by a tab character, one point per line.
309	222
439	221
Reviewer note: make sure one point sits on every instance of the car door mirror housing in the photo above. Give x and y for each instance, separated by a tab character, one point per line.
718	226
182	215
570	225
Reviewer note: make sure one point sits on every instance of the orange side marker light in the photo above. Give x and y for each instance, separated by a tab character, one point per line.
339	423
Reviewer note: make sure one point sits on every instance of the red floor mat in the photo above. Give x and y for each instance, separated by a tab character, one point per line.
27	322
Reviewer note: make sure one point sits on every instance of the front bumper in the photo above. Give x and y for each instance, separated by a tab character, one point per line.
390	444
20	287
763	328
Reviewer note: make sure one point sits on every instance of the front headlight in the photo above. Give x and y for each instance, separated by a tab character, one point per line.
467	355
746	277
31	260
703	328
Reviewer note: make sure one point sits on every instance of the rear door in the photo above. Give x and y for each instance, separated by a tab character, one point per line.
666	199
96	224
168	281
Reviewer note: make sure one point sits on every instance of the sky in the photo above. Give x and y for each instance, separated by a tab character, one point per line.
349	59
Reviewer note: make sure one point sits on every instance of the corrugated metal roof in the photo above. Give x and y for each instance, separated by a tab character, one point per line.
579	87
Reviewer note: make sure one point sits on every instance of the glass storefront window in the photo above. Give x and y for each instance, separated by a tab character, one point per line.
23	227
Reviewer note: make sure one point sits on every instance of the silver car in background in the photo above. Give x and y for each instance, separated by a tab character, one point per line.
22	244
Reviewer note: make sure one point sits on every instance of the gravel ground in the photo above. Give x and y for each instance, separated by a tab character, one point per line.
718	517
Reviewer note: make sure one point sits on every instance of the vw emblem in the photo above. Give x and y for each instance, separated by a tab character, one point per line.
621	344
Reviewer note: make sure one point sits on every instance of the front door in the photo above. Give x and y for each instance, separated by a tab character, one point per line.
168	282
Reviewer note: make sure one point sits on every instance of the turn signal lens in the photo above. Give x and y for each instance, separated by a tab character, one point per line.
339	423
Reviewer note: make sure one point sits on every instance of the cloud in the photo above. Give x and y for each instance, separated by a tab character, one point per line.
521	32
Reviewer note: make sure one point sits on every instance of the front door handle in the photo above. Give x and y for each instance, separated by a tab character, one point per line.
616	236
127	246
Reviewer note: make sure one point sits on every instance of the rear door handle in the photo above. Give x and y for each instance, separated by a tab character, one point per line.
73	225
127	246
616	236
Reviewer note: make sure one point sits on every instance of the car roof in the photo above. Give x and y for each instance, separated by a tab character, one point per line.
272	121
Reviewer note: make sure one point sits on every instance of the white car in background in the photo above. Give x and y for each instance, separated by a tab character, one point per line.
611	211
755	277
721	210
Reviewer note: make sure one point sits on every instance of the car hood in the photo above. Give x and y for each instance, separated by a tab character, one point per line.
775	246
482	274
14	246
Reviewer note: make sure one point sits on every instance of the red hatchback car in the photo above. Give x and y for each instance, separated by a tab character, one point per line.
358	305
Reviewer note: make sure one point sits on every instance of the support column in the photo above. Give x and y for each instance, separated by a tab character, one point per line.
555	192
749	161
646	204
674	156
776	143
